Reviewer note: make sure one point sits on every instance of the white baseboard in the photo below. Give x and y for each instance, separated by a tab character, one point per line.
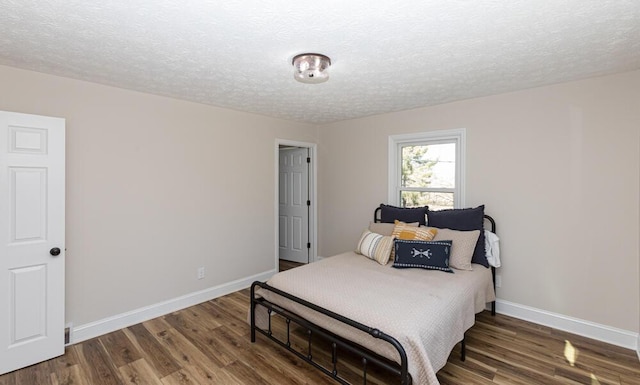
120	321
615	336
604	333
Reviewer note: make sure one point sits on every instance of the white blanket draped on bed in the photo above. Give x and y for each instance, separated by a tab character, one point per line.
426	311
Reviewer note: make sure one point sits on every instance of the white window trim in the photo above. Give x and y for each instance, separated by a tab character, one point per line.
395	141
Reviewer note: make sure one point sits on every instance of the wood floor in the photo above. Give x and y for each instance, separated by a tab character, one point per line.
286	265
209	344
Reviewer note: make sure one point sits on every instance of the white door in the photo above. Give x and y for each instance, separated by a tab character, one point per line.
294	205
32	201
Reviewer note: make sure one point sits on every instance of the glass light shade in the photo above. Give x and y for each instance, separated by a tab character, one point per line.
311	68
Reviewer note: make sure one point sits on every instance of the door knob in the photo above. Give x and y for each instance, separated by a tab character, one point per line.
55	251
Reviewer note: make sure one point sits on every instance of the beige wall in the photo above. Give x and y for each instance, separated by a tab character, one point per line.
558	168
156	187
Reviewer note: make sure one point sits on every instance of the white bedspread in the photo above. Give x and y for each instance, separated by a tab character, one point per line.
426	311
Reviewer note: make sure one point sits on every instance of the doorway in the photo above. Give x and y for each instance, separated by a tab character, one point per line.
295	204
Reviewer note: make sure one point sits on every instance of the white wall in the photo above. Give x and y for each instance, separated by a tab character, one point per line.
558	168
156	187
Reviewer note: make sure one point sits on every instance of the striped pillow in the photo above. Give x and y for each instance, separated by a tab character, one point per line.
375	246
411	233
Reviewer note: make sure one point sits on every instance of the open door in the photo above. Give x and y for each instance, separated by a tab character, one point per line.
32	236
294	204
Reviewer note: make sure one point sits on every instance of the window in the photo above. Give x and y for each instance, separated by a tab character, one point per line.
427	169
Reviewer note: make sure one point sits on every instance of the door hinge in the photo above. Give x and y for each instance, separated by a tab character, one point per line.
308	203
308	159
308	245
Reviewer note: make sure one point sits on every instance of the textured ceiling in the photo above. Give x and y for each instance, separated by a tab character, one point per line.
387	55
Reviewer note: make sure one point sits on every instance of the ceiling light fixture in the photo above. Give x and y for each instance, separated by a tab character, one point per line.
311	68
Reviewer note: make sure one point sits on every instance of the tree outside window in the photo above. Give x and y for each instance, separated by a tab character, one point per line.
428	175
427	169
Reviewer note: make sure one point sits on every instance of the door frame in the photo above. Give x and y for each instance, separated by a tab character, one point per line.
313	209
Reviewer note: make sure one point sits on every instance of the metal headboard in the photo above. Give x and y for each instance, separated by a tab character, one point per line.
377	211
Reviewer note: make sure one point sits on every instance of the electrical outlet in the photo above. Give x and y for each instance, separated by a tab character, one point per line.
498	280
200	272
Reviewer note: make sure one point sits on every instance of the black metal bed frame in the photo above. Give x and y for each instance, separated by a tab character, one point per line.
336	341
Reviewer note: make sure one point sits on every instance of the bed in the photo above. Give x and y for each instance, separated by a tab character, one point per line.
425	312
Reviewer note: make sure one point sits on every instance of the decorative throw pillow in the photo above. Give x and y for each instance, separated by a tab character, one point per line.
462	246
386	228
375	246
465	220
389	214
403	230
433	255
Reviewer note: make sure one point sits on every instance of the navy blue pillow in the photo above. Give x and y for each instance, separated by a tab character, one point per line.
463	220
388	214
432	255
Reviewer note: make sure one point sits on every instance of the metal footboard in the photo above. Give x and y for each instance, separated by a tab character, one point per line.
366	356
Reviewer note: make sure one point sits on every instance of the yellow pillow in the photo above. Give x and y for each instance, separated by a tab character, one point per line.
405	231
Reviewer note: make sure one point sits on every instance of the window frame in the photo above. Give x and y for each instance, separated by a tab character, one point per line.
396	142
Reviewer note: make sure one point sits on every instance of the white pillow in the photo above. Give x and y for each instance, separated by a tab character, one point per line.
375	246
